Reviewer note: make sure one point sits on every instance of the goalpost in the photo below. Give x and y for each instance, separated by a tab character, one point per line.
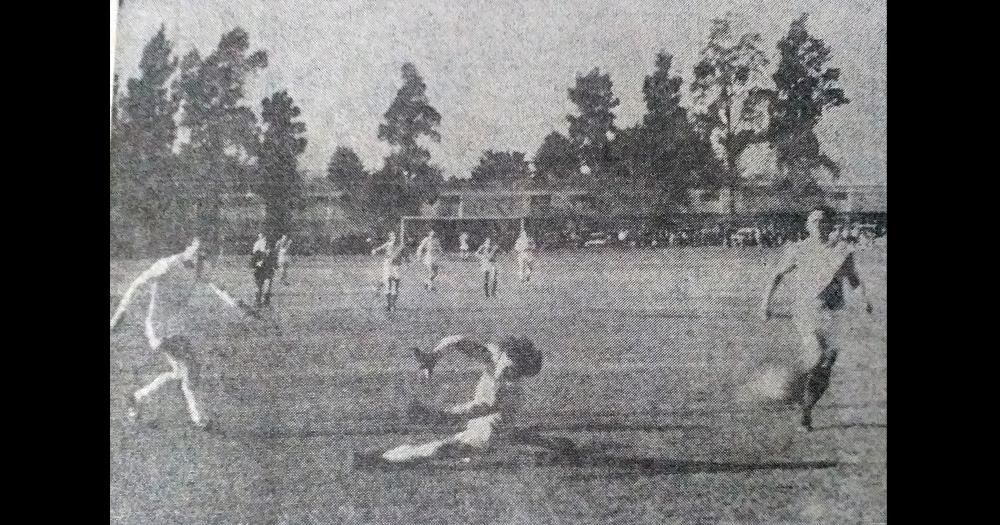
423	222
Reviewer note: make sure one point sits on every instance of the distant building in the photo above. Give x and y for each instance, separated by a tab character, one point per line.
322	216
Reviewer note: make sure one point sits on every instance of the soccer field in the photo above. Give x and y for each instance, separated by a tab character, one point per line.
645	356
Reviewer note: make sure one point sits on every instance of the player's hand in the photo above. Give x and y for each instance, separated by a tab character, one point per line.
765	313
427	361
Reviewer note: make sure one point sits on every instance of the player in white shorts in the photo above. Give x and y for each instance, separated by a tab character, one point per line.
822	270
171	281
391	276
525	248
463	245
490	414
428	251
487	254
283	246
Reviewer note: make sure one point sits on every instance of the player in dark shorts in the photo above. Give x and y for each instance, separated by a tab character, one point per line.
264	263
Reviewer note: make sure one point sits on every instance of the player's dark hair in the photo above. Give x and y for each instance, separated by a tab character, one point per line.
522	352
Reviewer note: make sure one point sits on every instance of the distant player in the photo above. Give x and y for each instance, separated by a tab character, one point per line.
487	255
821	271
260	245
263	262
489	416
428	251
525	248
283	246
391	276
171	282
463	245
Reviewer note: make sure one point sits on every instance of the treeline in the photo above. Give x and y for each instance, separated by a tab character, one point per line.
671	149
183	135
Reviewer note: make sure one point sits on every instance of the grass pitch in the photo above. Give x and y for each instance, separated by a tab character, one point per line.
646	353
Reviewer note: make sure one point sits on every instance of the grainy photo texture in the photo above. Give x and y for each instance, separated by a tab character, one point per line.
507	261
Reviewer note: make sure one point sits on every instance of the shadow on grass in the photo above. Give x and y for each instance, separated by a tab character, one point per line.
589	465
847	426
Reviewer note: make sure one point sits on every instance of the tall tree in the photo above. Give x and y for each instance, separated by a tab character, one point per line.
281	144
556	157
222	132
726	79
409	119
346	171
804	87
143	136
592	130
503	167
672	152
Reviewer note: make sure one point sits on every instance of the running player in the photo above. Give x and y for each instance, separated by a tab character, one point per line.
391	277
489	415
463	245
428	251
263	262
525	248
171	282
260	245
821	270
283	245
487	254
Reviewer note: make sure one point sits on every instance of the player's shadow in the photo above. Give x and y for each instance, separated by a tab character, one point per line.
849	426
607	466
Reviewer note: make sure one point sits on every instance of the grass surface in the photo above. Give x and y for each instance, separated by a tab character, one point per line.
645	355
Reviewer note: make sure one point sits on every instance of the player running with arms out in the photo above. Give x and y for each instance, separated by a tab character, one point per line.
490	414
171	281
391	276
487	255
525	248
821	271
428	251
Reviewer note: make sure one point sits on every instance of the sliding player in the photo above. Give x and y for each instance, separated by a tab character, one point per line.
821	271
489	415
171	282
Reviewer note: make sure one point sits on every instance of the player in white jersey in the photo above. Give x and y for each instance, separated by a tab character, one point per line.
490	414
463	245
428	251
821	271
525	248
171	281
283	246
391	276
487	254
260	245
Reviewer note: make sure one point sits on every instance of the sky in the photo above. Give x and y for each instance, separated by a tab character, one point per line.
498	70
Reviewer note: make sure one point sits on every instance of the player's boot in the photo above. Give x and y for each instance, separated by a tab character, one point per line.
207	425
806	424
131	408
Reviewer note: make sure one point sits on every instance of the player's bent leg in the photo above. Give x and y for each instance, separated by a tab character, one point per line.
476	437
817	379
